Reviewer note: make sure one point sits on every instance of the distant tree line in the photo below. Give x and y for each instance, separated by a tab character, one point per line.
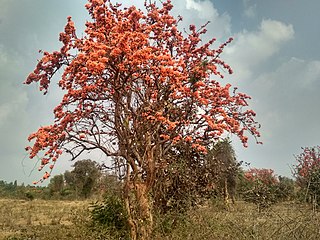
22	191
86	179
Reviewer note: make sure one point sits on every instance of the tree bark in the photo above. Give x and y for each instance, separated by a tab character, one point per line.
138	206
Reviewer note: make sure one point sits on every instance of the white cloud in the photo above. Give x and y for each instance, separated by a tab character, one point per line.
201	12
12	107
3	55
288	96
204	9
12	99
249	9
285	100
311	74
250	49
296	73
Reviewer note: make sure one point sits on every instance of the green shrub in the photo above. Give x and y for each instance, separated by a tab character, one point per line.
286	189
111	214
29	196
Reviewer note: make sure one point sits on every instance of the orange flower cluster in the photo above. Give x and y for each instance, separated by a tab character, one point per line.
199	147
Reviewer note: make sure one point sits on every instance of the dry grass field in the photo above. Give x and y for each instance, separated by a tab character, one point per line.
39	219
49	220
285	221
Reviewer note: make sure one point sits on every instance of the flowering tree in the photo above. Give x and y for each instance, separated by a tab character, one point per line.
134	86
265	176
307	171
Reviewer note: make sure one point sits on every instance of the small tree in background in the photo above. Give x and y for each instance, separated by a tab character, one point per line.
221	160
286	190
56	184
84	177
193	177
134	86
307	173
109	183
260	186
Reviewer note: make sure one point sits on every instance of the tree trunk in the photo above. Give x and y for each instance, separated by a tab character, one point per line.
137	189
138	206
144	214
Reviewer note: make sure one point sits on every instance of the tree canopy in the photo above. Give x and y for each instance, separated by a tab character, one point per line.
134	86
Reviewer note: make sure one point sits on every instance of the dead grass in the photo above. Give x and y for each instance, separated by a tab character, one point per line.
41	219
284	221
50	220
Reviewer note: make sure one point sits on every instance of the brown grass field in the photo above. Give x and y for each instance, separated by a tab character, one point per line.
48	220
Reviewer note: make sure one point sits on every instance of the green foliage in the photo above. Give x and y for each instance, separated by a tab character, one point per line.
16	191
8	189
262	195
224	167
84	181
83	178
166	223
177	186
56	184
66	192
286	189
29	196
111	214
314	186
310	192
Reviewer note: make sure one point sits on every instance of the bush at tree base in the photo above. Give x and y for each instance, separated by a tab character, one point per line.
192	177
179	186
111	214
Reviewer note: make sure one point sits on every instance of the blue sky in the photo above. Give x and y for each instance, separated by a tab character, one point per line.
275	57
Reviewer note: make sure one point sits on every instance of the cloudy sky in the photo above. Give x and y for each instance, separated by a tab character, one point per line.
275	57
